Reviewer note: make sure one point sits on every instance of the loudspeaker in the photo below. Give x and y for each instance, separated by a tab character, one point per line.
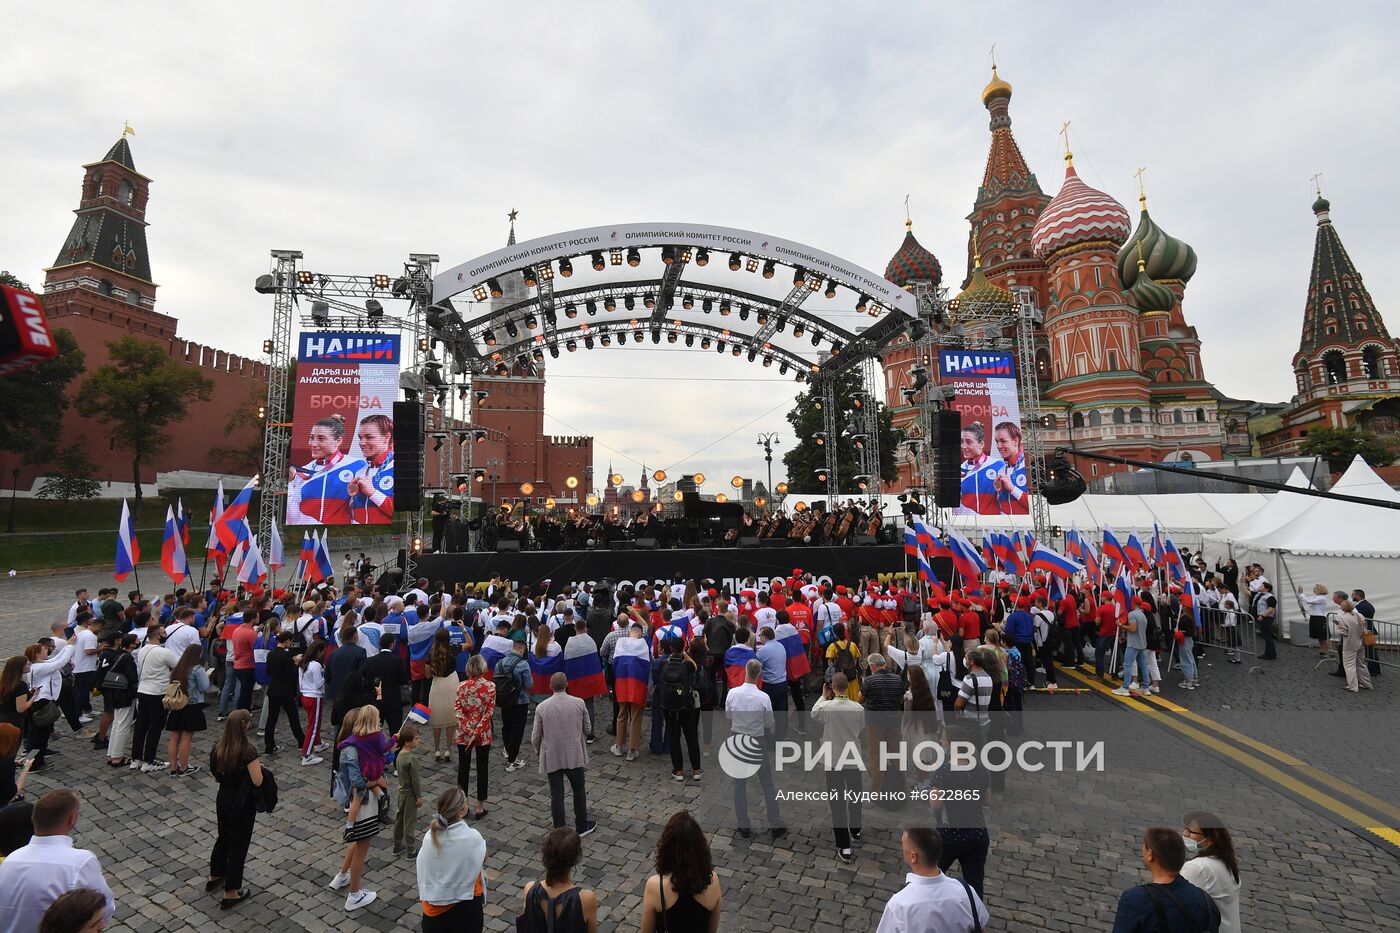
507	545
947	491
818	505
622	545
645	544
749	542
867	539
408	456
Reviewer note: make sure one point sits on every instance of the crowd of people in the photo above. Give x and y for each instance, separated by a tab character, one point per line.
365	678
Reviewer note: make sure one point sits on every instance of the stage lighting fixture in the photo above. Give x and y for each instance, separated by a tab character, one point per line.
571	346
494	288
736	350
320	312
634	258
751	264
649	301
690	340
799	275
267	346
863	482
671	337
860	304
610	303
874	310
528	274
305	278
656	335
821	475
799	329
769	268
511	329
265	284
761	317
819	438
705	343
734	262
597	260
857	403
615	257
479	293
702	257
478	473
423	345
668	255
783	368
781	325
460	481
768	361
546	273
400	287
629	303
836	347
381	281
438	437
858	440
502	369
688	302
830	288
752	354
538	354
605	340
816	338
743	312
724	307
591	307
707	305
481	395
621	337
800	377
570	311
719	347
920	376
531	322
566	268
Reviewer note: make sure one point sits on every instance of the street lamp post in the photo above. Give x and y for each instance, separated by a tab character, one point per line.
14	492
767	440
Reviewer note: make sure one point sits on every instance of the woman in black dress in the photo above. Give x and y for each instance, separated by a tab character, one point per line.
235	765
684	894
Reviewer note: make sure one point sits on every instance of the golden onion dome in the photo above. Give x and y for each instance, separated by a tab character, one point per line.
995	88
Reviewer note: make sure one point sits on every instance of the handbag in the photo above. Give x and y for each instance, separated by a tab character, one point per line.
45	713
175	698
1368	638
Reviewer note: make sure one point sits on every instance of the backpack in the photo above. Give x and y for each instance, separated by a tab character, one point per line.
1154	632
675	685
845	662
1015	670
175	697
507	687
909	609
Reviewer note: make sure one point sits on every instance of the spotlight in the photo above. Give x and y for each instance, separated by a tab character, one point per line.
629	303
570	311
734	262
751	265
720	346
830	288
438	438
546	273
494	288
502	369
305	278
400	288
699	479
798	329
649	300
320	312
819	438
782	370
816	337
598	262
857	403
702	257
605	340
615	257
423	345
634	258
588	342
668	255
724	307
479	293
531	279
752	354
671	337
860	305
688	302
571	346
799	275
821	475
532	322
707	305
554	351
690	340
267	346
621	337
800	377
858	440
768	361
656	335
743	312
374	310
721	498
481	395
566	268
512	330
538	354
769	268
736	350
705	343
835	347
610	303
381	281
761	317
592	308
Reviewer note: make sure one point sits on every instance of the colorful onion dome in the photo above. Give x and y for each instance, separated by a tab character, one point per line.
912	263
1078	214
1166	256
995	88
1321	205
1149	294
981	290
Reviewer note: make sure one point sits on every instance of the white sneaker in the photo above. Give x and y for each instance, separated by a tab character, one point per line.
1153	688
135	764
339	881
86	717
1052	687
262	732
616	751
631	756
359	899
1122	692
312	760
321	747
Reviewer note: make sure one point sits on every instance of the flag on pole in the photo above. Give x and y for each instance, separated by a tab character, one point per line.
182	521
988	555
926	570
926	535
1054	563
1123	592
128	550
172	549
235	560
275	558
310	566
1093	567
1134	551
1113	550
911	540
966	560
252	569
1172	558
1155	548
323	557
1005	548
1074	544
232	526
301	557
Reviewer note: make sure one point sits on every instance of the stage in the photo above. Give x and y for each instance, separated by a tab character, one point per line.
727	566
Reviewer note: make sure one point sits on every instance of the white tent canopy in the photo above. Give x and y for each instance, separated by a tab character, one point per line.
1278	511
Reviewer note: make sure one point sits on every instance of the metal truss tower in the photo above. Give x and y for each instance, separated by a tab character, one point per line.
277	433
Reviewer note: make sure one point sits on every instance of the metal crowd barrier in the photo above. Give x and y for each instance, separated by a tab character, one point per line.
1231	631
1386	650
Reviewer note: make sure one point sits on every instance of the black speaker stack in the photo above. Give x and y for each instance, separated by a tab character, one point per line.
408	456
947	492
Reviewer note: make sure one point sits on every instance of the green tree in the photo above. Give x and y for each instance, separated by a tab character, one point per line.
243	458
139	394
73	475
807	419
32	401
1339	445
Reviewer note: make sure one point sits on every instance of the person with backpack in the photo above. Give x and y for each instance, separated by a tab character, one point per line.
234	764
680	707
512	678
1046	639
119	695
719	638
843	657
931	900
154	662
1169	903
187	717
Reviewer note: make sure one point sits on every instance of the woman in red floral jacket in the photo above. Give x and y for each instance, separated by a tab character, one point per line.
476	702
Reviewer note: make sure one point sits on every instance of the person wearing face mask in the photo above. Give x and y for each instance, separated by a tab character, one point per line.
1211	864
1169	903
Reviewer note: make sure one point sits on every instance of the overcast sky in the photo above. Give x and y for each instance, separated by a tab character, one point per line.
359	133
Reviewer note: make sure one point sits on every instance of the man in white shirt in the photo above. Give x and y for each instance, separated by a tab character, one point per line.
843	737
930	900
182	633
80	604
765	614
34	875
85	651
750	713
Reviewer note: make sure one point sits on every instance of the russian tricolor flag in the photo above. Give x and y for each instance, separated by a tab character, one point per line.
494	647
541	669
128	550
1054	563
1134	552
275	558
172	551
911	541
1092	566
309	568
1175	565
1156	549
1074	544
734	661
323	556
231	526
420	643
182	521
631	664
584	668
1112	549
926	570
797	663
966	560
924	535
1005	550
1123	592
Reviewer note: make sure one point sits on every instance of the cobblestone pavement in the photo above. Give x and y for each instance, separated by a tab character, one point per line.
1064	845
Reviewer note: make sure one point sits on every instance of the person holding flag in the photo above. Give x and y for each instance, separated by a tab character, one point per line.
738	655
584	668
631	664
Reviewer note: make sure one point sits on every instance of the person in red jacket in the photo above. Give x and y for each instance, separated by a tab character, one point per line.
1071	648
1108	631
848	605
